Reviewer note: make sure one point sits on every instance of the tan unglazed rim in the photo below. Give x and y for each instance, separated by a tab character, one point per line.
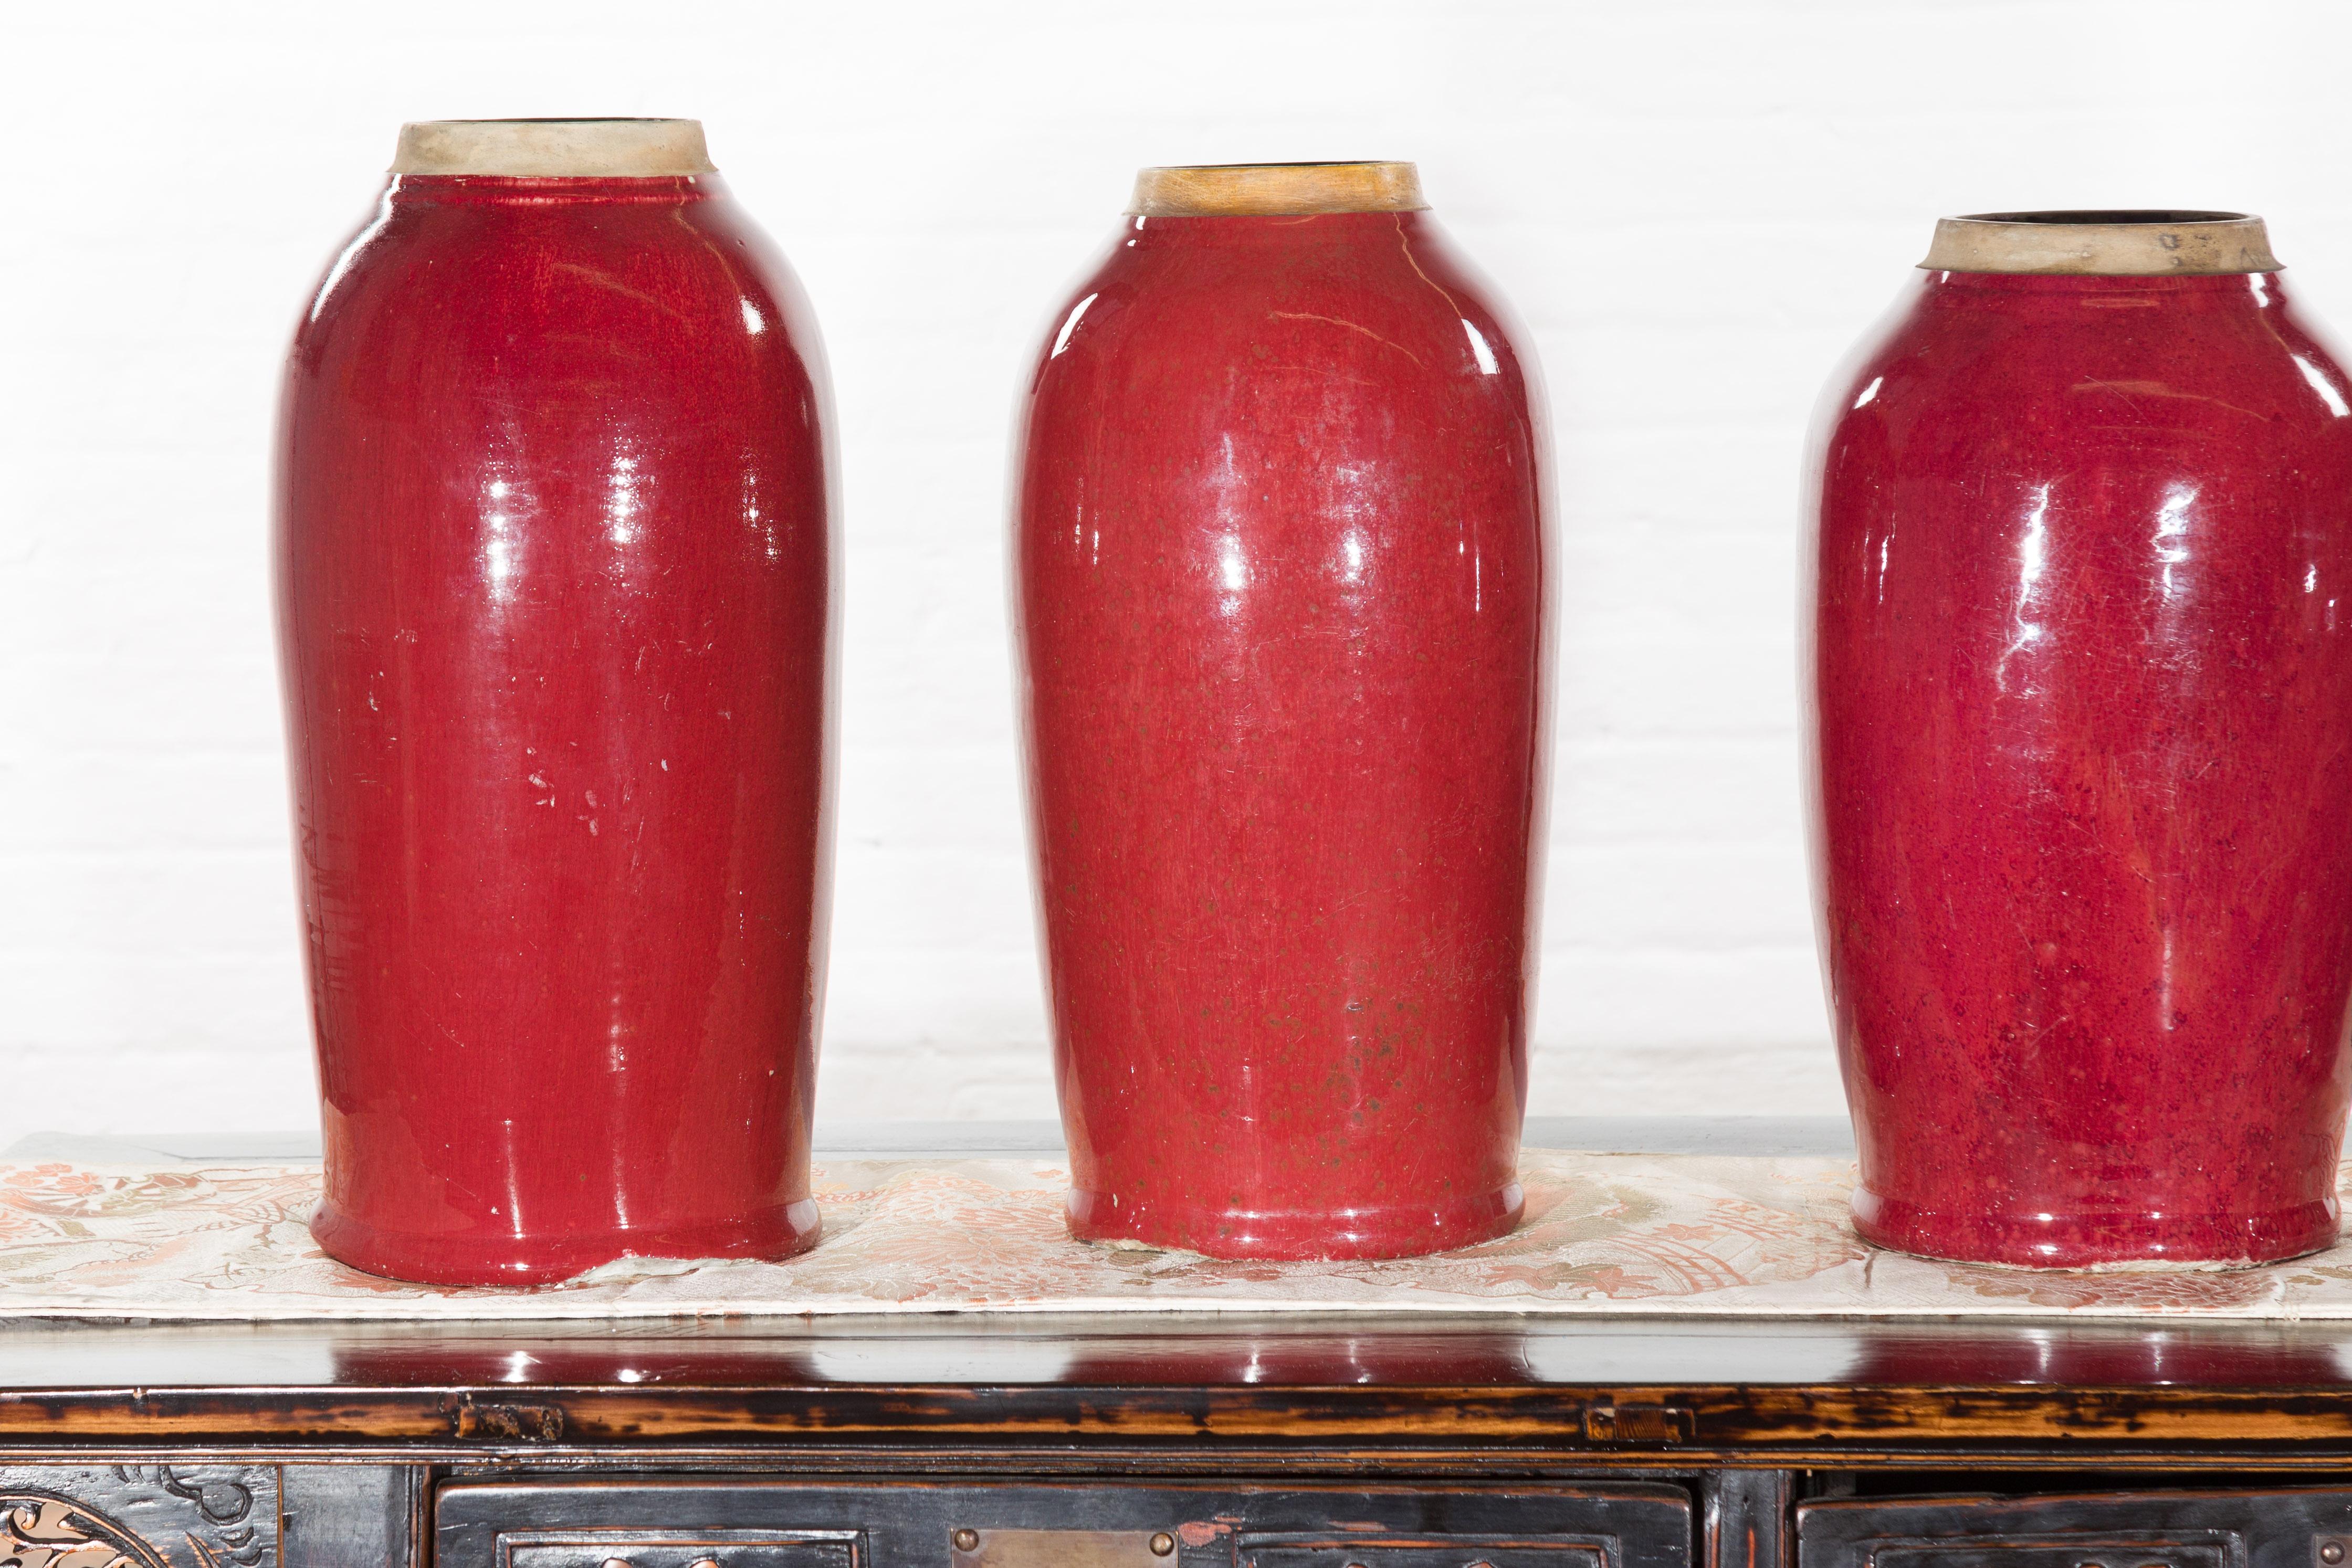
2116	244
1276	190
553	149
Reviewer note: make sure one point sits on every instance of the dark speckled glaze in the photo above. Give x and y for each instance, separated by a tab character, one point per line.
2080	690
554	574
1280	557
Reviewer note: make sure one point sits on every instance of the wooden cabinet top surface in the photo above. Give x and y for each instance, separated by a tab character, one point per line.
1668	1392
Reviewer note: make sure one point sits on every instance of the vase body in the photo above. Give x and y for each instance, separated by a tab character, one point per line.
554	560
1280	582
2080	694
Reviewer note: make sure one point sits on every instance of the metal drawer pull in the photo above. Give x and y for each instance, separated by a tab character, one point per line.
1023	1548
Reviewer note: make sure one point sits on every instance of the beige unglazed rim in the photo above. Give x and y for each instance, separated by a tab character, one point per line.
1276	190
553	149
2125	244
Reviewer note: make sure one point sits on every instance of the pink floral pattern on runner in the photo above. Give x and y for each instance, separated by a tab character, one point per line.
1605	1234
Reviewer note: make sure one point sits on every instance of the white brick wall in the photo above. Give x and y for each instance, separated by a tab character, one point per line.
1695	205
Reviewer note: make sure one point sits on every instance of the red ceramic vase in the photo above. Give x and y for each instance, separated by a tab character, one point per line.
555	563
1279	550
2081	701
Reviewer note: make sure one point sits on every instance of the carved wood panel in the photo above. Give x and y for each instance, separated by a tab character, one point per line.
139	1516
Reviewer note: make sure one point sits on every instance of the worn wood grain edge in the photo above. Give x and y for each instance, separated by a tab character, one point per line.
1242	1464
1682	1421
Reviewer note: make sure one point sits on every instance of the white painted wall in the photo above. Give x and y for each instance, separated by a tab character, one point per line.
1697	205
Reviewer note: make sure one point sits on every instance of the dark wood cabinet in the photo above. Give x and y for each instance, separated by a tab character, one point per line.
1132	1441
1202	1443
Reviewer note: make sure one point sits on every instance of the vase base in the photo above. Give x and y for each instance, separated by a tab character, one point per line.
1296	1235
442	1260
2095	1240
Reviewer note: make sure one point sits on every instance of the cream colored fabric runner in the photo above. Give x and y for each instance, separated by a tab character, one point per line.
1616	1234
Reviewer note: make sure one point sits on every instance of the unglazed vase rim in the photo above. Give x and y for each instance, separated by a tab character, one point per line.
1276	190
553	149
2124	244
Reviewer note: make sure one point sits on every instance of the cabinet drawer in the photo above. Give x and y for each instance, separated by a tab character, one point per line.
679	1549
2251	1528
1426	1552
754	1522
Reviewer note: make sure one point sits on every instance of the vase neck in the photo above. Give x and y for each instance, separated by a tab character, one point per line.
1276	190
2134	243
553	149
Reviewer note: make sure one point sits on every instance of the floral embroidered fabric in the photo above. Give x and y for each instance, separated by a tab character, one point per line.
1605	1235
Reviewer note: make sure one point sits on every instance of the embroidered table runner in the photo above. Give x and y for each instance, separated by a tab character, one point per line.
1605	1235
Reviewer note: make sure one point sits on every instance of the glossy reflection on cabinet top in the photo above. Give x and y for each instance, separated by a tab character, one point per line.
2142	244
1276	190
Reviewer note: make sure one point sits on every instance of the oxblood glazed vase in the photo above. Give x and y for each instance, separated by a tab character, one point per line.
555	569
1280	561
2080	702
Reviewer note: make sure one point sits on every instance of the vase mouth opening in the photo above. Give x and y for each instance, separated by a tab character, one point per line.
614	149
2076	218
2117	243
1276	190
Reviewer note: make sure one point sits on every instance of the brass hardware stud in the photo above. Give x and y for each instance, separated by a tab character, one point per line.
1163	1544
2331	1552
704	1563
967	1540
619	1563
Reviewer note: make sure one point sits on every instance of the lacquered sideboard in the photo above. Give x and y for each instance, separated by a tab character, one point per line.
1137	1441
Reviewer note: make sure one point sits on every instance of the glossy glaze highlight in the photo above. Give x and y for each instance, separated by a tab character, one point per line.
1280	560
2081	694
555	574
